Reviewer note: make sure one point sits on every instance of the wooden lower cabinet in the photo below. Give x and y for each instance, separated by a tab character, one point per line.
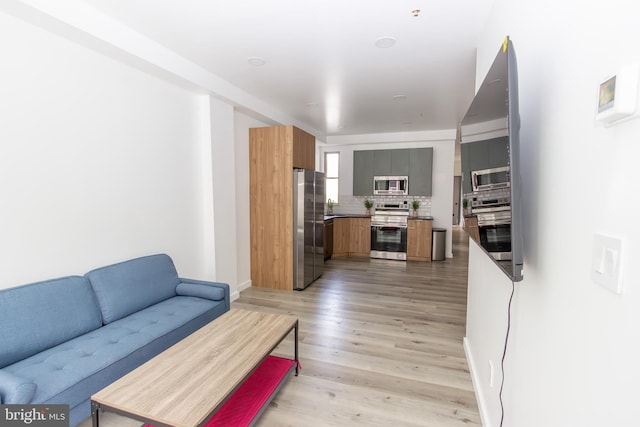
419	239
328	239
471	227
352	237
360	243
341	227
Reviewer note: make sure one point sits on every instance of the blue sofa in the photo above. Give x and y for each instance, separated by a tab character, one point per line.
63	340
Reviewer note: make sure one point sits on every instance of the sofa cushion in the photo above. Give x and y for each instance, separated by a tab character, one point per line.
41	315
72	371
15	389
124	288
202	290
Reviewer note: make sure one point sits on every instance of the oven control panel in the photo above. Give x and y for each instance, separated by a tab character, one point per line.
499	197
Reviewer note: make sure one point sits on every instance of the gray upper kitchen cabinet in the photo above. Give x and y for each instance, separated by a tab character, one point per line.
382	162
466	168
498	152
478	155
400	162
420	169
391	162
416	163
363	173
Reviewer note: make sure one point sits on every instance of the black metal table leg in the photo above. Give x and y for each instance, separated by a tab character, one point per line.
296	347
95	411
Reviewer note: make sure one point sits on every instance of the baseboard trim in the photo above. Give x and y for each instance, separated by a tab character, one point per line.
244	285
475	380
241	287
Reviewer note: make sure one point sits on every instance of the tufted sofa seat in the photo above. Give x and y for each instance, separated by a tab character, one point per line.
65	339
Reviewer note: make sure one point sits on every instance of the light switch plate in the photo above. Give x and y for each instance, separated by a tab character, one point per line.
606	260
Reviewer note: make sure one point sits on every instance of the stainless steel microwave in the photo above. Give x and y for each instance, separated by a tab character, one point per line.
491	179
391	185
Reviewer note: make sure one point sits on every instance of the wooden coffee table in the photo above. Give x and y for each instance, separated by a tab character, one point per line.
187	383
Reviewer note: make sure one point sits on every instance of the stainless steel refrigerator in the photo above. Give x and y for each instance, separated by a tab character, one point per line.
308	226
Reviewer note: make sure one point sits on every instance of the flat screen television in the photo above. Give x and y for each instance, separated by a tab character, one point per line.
490	151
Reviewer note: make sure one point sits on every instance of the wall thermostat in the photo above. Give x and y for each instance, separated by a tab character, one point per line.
618	94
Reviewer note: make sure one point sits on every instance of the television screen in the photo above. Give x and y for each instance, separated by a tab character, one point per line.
490	151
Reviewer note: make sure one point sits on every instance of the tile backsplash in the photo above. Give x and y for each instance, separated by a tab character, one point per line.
355	204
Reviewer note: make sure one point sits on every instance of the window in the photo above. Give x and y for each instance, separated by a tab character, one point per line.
332	172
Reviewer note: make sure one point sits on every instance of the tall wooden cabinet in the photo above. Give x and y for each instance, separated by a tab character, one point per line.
273	153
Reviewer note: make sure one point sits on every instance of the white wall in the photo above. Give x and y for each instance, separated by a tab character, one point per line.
443	144
573	354
222	158
103	98
99	162
186	109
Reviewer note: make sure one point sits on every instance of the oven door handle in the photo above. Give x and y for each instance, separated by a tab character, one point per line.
387	227
494	222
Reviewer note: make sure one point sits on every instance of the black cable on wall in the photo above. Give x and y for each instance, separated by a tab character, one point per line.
504	352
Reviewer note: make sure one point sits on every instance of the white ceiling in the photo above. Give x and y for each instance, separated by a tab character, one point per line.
322	66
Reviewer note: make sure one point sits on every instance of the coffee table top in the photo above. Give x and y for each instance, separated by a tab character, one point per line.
186	382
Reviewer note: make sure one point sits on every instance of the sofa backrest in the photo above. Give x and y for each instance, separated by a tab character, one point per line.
124	288
41	315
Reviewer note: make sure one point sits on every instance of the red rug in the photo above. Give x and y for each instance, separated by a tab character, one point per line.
250	397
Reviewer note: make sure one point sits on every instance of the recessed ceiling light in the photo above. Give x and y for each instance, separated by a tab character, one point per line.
399	97
256	61
415	12
385	42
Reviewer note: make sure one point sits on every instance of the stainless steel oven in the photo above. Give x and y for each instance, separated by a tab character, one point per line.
494	226
496	239
389	233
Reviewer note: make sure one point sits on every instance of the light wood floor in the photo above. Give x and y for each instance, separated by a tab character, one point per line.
380	345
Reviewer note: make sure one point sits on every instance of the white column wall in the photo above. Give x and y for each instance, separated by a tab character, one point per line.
224	192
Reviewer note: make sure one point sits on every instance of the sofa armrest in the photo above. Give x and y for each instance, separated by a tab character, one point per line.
15	389
216	291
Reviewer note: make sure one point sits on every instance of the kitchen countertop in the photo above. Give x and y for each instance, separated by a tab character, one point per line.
327	217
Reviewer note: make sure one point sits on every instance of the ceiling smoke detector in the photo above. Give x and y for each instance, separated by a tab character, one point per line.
256	61
385	42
